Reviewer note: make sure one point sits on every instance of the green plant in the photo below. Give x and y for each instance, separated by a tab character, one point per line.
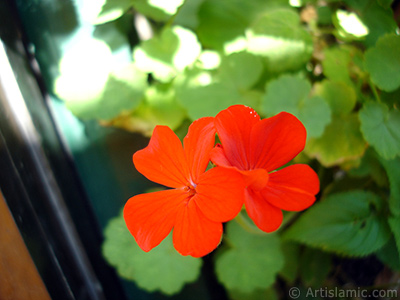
333	64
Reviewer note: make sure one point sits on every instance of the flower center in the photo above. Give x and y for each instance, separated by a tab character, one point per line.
191	190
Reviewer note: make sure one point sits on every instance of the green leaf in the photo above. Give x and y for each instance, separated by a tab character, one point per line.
391	98
242	69
252	98
224	20
169	7
380	127
117	97
168	54
158	10
377	19
207	100
341	142
203	94
252	261
159	107
116	35
383	62
292	94
187	15
345	223
162	269
371	166
392	168
315	266
209	60
394	224
123	92
90	81
278	36
349	26
291	252
112	9
324	15
97	91
385	3
340	96
336	64
389	255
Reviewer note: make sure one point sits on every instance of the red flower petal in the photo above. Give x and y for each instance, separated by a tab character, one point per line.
292	188
276	140
234	126
256	179
220	194
163	160
197	145
266	216
218	157
150	217
194	234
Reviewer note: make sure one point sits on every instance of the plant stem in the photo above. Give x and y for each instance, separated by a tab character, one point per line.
374	91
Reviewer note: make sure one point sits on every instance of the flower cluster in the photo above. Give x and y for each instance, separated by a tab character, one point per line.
245	172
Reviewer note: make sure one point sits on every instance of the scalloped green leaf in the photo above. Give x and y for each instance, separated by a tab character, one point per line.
187	15
314	266
162	269
324	15
340	96
341	142
394	224
292	94
224	20
242	69
159	107
118	97
346	223
349	26
169	7
278	36
112	9
203	93
97	91
383	62
343	63
167	54
370	165
385	3
378	19
392	168
204	101
380	127
335	64
159	10
389	255
252	261
76	86
290	270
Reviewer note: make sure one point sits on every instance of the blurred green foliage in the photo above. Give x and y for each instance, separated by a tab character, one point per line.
334	64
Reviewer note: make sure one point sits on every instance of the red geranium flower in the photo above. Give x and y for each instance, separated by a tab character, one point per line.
258	147
199	201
